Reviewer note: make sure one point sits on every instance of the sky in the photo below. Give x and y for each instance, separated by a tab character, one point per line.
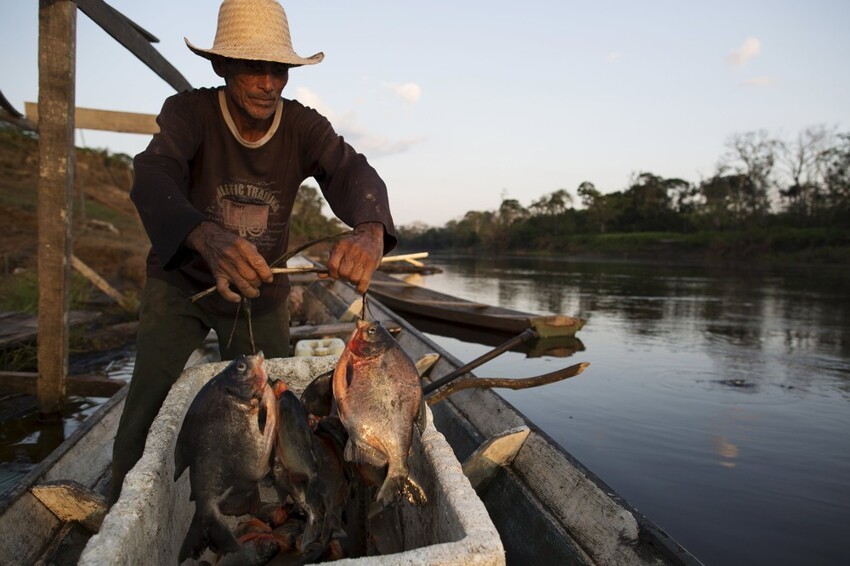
461	104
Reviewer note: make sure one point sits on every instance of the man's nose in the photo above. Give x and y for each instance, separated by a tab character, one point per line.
265	81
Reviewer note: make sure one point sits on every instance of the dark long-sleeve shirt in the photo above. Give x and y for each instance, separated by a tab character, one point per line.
198	168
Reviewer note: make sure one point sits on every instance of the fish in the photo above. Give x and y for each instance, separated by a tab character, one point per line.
295	470
379	401
330	438
226	441
317	397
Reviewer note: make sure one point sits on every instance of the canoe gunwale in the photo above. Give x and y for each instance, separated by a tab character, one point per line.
45	466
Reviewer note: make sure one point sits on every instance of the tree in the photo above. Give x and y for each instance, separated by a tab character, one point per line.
598	212
308	222
837	181
552	204
752	155
805	162
649	205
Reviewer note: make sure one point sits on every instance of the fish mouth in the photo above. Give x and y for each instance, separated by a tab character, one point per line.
258	370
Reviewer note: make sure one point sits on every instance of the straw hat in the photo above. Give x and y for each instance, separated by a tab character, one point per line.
255	30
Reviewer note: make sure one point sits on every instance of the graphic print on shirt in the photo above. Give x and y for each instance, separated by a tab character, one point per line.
249	210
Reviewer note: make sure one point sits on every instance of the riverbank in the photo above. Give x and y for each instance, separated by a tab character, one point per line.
765	247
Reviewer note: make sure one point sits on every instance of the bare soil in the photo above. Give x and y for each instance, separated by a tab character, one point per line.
107	234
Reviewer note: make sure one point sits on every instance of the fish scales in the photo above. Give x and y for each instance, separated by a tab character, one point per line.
379	399
226	441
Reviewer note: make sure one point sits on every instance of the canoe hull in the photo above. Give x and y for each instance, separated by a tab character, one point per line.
423	302
547	507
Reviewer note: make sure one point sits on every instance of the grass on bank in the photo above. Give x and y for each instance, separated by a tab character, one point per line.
19	293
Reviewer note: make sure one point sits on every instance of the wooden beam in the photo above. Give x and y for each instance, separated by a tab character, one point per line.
57	36
496	452
102	284
107	120
71	501
127	34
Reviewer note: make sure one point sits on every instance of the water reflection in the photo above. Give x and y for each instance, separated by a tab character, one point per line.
716	401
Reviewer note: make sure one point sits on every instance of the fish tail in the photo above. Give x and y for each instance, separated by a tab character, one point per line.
207	532
397	487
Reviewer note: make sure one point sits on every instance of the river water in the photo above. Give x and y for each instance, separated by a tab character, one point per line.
717	401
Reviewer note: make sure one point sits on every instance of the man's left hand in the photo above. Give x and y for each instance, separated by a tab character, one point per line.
356	257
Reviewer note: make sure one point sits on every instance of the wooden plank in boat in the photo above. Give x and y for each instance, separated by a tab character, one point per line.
17	327
81	385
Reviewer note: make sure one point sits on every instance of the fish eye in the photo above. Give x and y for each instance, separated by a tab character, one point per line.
242	366
372	329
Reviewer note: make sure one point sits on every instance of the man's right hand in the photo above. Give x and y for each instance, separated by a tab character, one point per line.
232	259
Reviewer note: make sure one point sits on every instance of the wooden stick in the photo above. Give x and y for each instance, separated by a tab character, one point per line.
404	257
277	270
101	283
526	334
508	383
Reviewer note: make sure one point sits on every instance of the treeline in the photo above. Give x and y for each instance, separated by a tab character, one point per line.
760	182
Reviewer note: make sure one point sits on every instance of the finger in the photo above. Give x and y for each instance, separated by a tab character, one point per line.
247	288
256	263
223	287
334	259
365	279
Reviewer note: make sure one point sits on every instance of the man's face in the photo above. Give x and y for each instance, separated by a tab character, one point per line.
254	86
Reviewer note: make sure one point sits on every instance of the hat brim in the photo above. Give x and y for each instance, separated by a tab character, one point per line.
291	59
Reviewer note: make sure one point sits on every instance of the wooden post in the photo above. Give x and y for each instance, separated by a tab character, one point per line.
57	30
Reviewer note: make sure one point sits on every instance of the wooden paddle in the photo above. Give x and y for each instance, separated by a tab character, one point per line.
526	334
506	382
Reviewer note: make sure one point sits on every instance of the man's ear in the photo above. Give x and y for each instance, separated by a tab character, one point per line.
218	64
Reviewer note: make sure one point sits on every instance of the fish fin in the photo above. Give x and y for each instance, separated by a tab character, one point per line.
311	533
349	374
206	531
421	417
262	415
397	487
361	454
180	463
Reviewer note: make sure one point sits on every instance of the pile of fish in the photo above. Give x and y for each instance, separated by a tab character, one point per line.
350	428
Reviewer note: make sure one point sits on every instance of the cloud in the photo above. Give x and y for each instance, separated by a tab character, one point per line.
366	142
409	92
613	56
759	82
749	49
309	98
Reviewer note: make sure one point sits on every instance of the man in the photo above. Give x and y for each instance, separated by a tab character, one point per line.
215	190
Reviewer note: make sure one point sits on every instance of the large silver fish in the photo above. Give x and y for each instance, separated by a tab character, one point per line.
226	442
379	399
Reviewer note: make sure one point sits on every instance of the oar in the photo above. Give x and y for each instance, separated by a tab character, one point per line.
506	382
526	334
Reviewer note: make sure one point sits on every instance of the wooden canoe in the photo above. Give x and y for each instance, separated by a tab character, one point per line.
406	298
545	505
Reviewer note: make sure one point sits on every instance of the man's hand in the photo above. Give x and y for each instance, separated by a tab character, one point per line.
231	259
356	257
